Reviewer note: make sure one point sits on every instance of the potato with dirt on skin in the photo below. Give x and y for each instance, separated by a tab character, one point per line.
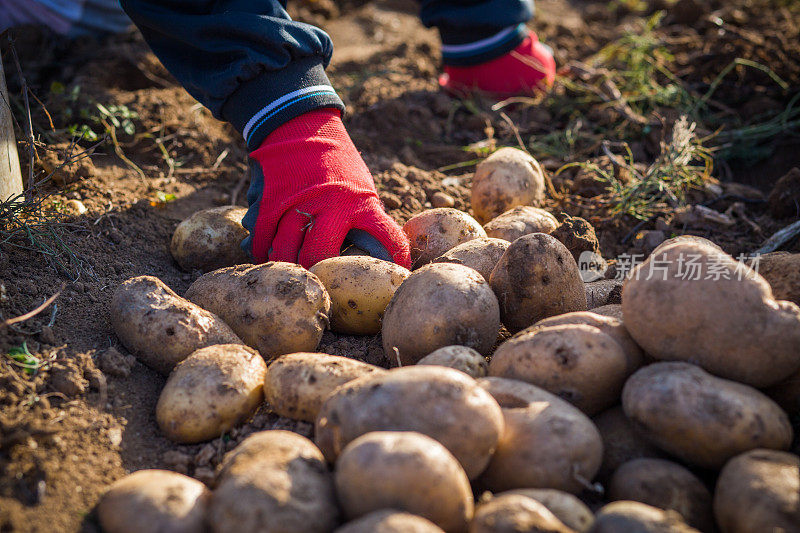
565	506
580	364
547	443
390	521
759	491
461	358
536	278
700	418
482	254
440	305
520	221
515	513
692	302
635	517
159	327
439	402
154	500
210	239
298	384
435	231
507	178
406	471
622	441
273	482
665	485
210	392
276	308
690	239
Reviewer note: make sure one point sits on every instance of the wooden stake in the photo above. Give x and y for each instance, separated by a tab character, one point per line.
10	175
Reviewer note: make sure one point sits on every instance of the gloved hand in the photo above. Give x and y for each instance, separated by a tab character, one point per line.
317	191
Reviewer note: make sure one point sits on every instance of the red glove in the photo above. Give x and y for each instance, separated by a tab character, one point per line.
316	190
529	67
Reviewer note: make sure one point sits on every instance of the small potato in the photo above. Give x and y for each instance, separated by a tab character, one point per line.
442	403
360	289
154	500
440	305
536	278
566	507
298	384
514	513
622	442
435	231
159	327
406	471
700	418
636	517
506	179
547	443
520	221
481	254
717	313
578	363
390	521
612	310
665	485
276	308
461	358
210	239
210	392
274	482
759	491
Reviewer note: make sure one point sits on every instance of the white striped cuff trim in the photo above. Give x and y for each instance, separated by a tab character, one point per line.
277	103
478	45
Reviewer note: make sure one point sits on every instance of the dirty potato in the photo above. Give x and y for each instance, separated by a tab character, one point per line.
210	239
628	516
513	513
481	254
390	521
461	358
622	441
506	179
520	221
435	231
565	506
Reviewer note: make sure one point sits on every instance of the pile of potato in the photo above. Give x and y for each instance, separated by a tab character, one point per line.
509	406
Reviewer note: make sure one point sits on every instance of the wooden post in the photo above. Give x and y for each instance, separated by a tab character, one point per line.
10	175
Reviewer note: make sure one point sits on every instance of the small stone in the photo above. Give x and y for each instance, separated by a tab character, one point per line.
391	201
205	455
116	364
204	474
177	461
440	199
115	436
74	208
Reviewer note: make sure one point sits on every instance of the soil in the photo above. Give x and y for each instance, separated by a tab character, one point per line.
86	418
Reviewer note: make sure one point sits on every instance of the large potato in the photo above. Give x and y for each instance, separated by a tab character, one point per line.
390	521
440	305
578	363
566	507
154	500
506	179
405	471
622	442
360	288
210	239
665	485
690	239
274	482
520	221
298	384
759	491
159	327
443	403
461	358
481	254
435	231
702	419
210	392
636	517
547	443
678	305
276	308
536	278
514	513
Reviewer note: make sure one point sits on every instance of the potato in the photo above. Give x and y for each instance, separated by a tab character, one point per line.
461	358
210	239
578	363
481	254
274	482
665	485
506	179
685	239
442	403
154	500
440	305
732	327
566	507
700	418
622	442
159	327
547	443
210	392
298	384
612	310
635	517
514	513
787	394
406	471
759	491
276	308
435	231
536	278
520	221
782	272
390	521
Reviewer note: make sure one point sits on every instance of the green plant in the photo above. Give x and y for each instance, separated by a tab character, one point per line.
22	357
